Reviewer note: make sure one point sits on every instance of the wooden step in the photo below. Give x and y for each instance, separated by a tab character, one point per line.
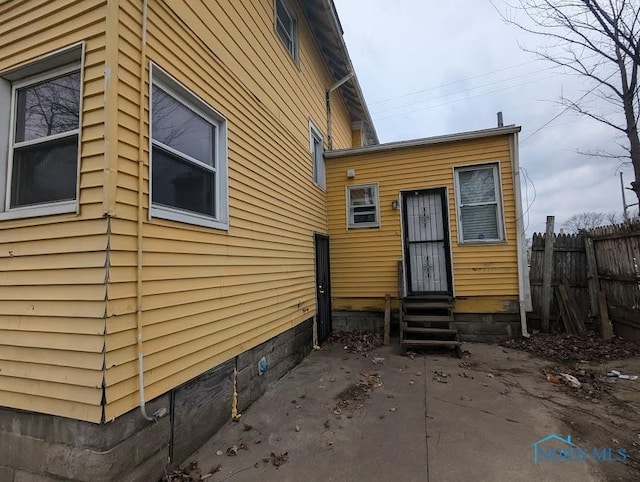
421	305
426	318
432	342
438	331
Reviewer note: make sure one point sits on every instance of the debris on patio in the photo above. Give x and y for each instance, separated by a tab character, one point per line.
355	395
357	341
440	377
571	380
191	473
564	347
622	376
278	460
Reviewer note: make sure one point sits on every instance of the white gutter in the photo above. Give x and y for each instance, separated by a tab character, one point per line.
524	288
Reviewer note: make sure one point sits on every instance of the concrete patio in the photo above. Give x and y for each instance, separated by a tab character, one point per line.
431	417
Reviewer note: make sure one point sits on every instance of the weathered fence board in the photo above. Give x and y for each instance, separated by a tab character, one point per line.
616	252
569	261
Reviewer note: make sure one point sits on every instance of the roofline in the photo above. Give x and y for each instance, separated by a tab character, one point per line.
354	79
425	141
334	50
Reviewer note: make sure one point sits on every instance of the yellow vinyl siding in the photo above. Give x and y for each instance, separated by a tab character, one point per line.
208	294
53	268
364	261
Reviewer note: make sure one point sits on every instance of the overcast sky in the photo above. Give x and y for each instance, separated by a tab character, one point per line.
432	67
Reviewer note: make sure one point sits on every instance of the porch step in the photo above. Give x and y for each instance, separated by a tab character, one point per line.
427	318
424	304
428	321
432	343
435	331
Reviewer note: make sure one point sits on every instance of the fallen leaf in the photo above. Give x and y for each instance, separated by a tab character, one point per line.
232	451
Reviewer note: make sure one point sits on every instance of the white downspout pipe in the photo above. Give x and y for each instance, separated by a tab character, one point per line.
328	101
143	57
524	290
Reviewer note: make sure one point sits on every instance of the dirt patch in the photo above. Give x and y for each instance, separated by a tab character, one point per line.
356	341
564	347
355	395
599	411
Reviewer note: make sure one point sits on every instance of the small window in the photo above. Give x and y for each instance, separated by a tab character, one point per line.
316	146
39	169
478	197
363	206
188	156
287	28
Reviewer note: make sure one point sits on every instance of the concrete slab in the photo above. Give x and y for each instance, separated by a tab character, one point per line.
479	425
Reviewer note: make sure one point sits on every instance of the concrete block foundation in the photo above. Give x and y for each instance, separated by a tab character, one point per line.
45	448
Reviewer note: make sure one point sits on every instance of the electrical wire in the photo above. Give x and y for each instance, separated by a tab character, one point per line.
527	74
408	94
465	98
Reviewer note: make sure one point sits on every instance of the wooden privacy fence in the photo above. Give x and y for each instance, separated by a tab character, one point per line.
602	263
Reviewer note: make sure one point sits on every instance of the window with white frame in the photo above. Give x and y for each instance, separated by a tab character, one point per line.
316	146
39	167
287	27
363	206
479	203
188	156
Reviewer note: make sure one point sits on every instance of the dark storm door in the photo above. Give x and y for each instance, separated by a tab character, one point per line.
323	288
426	242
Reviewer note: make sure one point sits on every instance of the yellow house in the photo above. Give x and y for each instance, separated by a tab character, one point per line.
171	173
434	221
162	213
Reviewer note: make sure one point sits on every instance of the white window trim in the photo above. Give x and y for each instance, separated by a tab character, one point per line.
61	61
186	97
497	180
350	223
294	22
316	135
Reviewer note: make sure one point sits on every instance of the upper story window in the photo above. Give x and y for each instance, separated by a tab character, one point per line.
287	27
316	145
479	204
363	206
188	156
40	133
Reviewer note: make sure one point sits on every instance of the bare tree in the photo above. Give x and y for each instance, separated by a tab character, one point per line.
613	218
599	40
585	221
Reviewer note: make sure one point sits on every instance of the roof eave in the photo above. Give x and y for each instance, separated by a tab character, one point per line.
326	28
425	141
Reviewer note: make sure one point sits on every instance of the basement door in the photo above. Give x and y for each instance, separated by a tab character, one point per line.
323	288
425	230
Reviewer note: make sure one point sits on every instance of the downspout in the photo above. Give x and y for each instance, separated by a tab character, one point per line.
328	100
143	56
524	291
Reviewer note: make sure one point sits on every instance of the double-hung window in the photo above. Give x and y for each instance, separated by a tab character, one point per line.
363	206
39	167
188	156
317	156
287	27
479	203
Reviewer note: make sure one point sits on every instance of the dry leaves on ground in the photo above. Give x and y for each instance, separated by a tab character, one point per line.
357	341
564	347
354	395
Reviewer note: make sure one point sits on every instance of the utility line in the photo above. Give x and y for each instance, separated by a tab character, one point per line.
465	98
449	83
564	110
461	91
